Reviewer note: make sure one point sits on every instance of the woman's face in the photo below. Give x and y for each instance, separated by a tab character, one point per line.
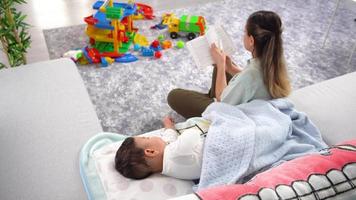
248	41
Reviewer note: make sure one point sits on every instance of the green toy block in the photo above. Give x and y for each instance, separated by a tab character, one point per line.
113	13
161	37
180	44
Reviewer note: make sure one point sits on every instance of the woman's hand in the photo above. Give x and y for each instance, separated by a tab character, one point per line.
218	55
231	67
229	64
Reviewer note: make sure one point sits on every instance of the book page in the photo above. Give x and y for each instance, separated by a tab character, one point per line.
217	34
199	48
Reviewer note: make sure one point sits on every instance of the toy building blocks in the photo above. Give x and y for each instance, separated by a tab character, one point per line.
190	25
143	12
141	40
158	54
160	37
111	30
137	47
92	55
155	43
73	54
126	58
109	60
166	44
147	52
104	62
180	44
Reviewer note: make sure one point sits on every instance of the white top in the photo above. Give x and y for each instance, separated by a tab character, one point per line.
182	157
246	85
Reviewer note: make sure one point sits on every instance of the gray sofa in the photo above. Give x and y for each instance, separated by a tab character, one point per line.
46	116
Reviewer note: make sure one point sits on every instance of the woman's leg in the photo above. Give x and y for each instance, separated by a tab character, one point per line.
188	103
211	93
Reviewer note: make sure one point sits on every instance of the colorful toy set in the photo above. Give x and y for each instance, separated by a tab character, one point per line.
190	25
111	33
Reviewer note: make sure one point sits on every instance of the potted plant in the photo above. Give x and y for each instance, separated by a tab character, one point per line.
14	36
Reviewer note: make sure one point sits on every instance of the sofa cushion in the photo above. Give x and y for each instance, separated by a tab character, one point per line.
46	115
331	106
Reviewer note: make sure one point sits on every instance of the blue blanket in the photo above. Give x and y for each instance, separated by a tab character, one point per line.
248	138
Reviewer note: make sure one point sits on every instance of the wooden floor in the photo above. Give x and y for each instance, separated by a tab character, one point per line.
48	14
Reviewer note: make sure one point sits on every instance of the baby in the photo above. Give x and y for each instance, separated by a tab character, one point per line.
178	156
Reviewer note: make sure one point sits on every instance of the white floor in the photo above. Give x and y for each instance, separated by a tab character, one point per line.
48	14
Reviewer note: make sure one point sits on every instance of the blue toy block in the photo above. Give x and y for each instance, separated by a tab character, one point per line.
126	58
103	23
104	62
159	48
147	52
137	47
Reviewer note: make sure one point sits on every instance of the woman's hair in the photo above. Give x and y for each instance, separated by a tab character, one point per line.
266	29
130	160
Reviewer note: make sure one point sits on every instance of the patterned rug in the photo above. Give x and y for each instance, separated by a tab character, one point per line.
131	98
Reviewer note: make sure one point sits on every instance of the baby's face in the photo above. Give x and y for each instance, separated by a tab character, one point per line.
150	142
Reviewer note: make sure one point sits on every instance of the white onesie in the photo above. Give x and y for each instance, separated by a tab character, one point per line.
182	157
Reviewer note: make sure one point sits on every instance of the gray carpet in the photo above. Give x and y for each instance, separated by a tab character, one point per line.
131	98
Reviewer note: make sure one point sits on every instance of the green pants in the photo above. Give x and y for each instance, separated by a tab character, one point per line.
190	103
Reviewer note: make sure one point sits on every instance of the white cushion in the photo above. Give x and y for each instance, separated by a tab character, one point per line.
45	117
331	105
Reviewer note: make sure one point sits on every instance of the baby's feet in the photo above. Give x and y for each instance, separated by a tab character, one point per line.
168	122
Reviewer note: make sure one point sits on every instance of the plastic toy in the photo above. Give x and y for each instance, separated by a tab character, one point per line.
126	58
158	54
141	40
137	47
109	60
111	30
158	26
143	12
180	44
104	62
158	48
155	43
73	54
110	23
92	55
166	44
147	52
83	61
161	37
192	25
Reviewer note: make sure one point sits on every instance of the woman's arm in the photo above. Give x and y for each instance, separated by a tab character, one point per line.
231	67
220	59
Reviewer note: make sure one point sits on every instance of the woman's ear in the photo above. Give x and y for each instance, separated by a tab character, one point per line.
151	152
251	41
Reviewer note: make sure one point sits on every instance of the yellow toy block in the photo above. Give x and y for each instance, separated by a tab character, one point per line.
141	40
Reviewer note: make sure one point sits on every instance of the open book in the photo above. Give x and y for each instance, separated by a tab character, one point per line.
200	46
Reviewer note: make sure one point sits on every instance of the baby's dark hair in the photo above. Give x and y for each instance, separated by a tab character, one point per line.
130	160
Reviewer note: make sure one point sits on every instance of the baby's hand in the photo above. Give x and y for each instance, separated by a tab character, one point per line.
168	122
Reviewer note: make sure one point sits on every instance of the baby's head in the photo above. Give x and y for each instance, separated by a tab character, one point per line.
139	157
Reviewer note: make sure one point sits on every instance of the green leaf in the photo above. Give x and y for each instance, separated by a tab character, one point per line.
12	22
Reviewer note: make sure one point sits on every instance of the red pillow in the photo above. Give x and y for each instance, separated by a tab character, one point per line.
329	174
